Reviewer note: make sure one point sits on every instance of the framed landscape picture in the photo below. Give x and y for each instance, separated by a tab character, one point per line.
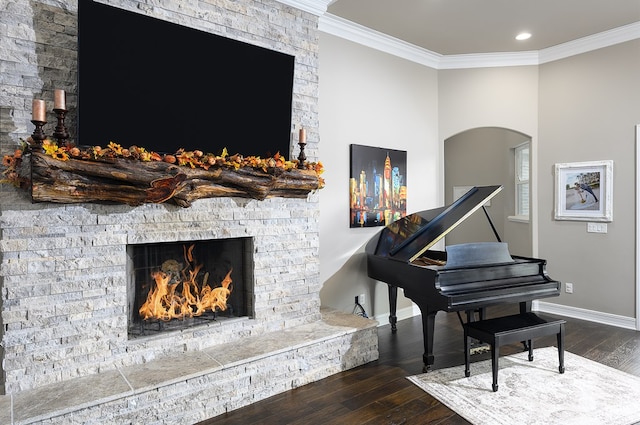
377	186
584	191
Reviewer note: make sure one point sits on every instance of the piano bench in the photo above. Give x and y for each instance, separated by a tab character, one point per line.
508	330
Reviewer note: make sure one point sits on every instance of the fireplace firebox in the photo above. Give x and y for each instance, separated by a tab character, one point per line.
178	285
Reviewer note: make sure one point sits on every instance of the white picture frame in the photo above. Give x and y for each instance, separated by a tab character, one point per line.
584	191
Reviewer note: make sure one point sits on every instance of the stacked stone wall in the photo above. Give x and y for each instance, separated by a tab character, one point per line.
63	267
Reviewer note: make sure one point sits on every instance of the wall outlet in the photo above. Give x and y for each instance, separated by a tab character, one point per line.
361	299
568	288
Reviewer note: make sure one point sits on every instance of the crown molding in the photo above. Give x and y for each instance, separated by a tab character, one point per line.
592	42
316	7
357	33
489	60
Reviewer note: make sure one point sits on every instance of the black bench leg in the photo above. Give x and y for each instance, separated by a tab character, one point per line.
530	343
467	370
561	348
495	353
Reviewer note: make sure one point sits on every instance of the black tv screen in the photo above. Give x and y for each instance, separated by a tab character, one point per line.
162	86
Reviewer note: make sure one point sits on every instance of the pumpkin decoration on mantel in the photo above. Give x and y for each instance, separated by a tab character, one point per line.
134	175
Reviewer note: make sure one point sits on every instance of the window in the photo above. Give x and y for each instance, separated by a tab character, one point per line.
522	180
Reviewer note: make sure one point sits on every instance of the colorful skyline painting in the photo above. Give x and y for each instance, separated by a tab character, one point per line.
377	186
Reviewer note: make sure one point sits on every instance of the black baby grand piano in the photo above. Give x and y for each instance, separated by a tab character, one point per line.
467	277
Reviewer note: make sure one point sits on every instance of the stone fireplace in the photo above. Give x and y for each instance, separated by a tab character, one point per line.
65	269
65	310
66	273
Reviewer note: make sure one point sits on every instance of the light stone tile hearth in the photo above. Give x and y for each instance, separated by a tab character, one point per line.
198	385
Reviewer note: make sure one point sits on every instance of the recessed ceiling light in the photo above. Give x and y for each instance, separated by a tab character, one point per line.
523	36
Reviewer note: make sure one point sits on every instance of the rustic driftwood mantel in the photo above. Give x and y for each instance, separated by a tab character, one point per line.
132	182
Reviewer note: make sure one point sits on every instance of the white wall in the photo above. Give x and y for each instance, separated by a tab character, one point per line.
581	108
370	98
488	97
589	106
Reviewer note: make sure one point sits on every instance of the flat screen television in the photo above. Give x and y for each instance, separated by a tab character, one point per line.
162	86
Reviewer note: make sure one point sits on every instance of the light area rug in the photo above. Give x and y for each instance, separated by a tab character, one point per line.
536	393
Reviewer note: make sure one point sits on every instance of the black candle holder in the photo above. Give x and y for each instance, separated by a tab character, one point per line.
61	133
302	157
38	135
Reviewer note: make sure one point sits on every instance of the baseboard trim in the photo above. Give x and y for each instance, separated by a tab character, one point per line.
403	313
543	307
584	314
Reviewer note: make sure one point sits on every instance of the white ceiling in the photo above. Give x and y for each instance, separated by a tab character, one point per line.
451	27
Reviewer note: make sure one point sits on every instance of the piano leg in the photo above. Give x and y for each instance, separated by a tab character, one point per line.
428	326
393	303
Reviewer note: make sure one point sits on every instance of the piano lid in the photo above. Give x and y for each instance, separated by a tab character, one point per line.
409	237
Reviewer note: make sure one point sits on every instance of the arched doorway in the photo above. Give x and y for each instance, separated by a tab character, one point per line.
486	156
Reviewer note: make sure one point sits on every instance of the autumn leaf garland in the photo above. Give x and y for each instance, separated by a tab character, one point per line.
192	159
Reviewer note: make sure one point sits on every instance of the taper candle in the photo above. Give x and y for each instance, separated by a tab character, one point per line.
38	110
302	137
59	99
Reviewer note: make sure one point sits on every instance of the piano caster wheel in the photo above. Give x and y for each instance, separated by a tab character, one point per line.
467	373
561	369
495	387
530	357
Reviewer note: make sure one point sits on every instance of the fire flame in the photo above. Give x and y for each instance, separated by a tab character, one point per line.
166	302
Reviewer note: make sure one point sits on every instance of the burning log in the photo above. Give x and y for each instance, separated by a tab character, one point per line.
175	298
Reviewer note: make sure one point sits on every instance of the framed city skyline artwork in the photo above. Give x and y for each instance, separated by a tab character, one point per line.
377	186
584	191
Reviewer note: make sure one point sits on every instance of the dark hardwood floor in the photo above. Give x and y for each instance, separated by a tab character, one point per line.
379	393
